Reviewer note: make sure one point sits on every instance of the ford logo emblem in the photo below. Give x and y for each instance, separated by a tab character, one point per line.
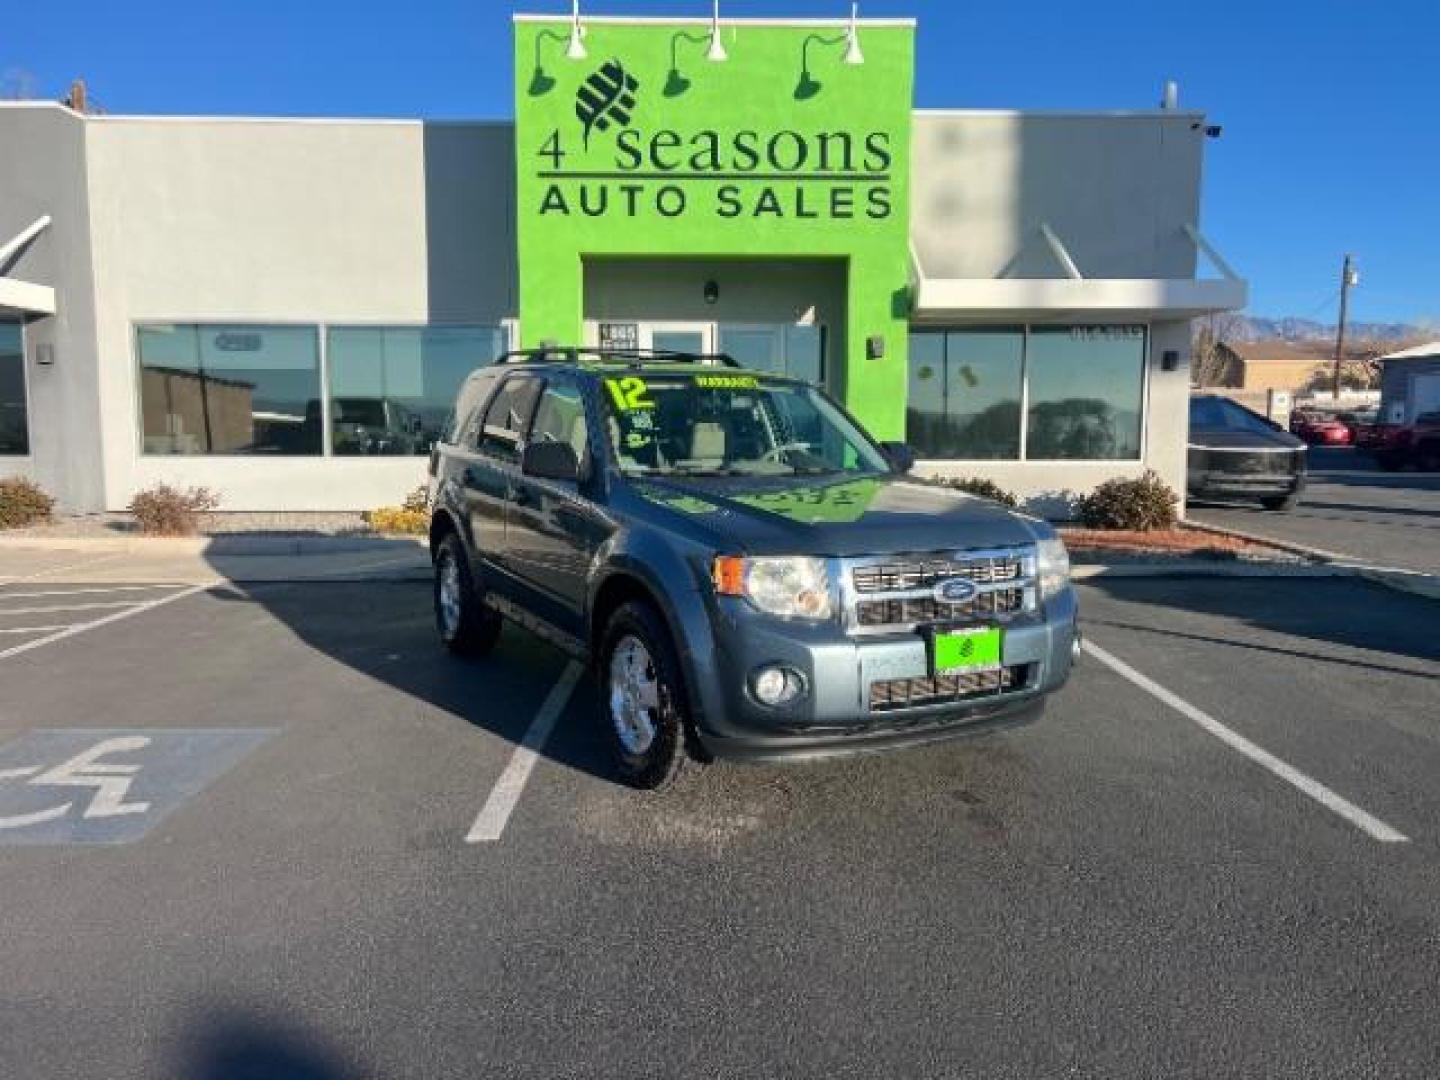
955	590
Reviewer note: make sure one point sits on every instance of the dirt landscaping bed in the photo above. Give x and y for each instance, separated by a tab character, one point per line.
1093	545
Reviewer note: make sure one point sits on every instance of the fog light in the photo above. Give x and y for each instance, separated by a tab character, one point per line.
775	686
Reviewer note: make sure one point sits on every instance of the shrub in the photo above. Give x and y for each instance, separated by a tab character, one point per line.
985	489
1142	505
163	510
23	502
398	519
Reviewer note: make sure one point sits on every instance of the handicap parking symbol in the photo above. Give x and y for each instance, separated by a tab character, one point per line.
108	786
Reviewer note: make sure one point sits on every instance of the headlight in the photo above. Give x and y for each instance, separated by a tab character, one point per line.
1054	566
794	587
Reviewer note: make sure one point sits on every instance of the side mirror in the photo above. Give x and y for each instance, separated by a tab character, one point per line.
901	456
550	461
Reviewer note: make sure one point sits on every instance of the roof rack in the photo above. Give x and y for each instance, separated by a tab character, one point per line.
574	354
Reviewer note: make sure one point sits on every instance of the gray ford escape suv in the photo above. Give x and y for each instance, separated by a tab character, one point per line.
747	571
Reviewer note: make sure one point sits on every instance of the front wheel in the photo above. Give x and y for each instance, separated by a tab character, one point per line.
1281	502
466	624
642	698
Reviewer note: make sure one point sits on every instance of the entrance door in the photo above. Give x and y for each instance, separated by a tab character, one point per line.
686	337
793	349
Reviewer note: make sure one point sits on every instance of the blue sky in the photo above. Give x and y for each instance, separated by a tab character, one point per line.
1331	111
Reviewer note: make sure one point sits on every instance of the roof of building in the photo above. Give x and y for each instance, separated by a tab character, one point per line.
1430	350
1275	352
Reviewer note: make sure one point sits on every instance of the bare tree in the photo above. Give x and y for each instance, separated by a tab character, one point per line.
1212	362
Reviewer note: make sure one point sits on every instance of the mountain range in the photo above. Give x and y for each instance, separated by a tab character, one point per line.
1244	328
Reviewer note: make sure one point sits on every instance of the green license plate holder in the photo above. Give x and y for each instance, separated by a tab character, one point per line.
968	648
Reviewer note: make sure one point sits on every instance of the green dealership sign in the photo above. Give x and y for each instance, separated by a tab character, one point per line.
646	148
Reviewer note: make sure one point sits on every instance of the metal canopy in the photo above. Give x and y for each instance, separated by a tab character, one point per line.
1074	296
23	297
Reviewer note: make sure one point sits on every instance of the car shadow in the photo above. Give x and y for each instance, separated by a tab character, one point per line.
1332	611
384	629
231	1047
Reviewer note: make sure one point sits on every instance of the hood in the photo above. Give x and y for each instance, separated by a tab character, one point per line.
1244	440
837	517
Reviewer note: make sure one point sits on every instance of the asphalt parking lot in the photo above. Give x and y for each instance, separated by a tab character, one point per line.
1352	508
1225	863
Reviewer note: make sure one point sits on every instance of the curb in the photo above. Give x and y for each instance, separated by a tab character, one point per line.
1412	582
223	544
1180	568
1318	554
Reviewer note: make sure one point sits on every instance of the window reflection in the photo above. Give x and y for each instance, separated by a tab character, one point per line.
1085	392
780	348
965	394
218	389
392	388
14	427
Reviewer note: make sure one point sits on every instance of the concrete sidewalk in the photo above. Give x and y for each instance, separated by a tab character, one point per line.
184	560
249	558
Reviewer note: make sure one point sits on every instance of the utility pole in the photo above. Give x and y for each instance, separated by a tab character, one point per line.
1348	277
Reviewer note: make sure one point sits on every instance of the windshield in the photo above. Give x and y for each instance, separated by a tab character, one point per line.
1218	414
730	425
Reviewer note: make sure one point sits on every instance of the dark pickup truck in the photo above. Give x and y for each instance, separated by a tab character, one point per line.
747	571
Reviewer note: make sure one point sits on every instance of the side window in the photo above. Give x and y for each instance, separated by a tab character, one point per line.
465	420
560	417
506	418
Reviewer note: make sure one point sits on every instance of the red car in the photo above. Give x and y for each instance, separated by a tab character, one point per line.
1416	444
1318	429
1361	423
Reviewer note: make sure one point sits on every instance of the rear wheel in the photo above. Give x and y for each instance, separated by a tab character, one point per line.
466	624
1281	502
642	698
1427	458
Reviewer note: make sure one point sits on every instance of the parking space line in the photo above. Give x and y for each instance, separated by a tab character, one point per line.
79	592
113	617
67	607
507	790
1337	804
32	629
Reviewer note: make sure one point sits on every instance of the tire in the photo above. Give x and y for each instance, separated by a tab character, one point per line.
1281	502
1427	458
467	627
641	698
1390	462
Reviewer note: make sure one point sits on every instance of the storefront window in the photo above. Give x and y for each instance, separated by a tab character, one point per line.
964	398
14	427
392	388
221	389
1086	384
1085	388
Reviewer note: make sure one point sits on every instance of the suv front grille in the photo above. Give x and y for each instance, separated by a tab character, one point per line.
893	595
925	573
929	610
892	694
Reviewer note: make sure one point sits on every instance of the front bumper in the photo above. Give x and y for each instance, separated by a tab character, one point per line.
840	714
1223	485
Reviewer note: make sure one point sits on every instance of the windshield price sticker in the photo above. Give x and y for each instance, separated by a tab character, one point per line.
727	382
630	393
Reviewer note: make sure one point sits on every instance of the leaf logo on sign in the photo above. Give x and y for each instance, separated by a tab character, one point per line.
606	97
967	648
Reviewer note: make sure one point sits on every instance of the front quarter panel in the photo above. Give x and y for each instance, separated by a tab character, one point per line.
676	573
